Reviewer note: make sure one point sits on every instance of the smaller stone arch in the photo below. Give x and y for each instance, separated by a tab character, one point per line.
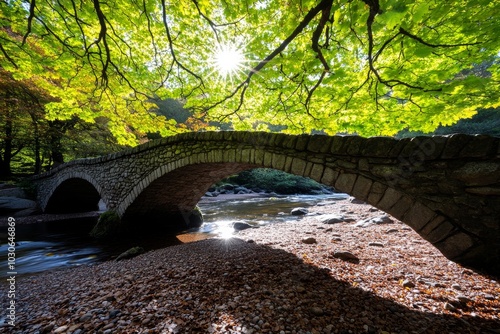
74	195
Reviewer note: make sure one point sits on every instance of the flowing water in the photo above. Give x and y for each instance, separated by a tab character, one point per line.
47	246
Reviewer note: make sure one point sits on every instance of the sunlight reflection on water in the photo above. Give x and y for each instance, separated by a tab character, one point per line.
41	249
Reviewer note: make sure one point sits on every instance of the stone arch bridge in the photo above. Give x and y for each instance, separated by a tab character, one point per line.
447	188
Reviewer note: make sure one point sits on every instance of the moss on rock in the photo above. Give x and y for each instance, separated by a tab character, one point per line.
107	225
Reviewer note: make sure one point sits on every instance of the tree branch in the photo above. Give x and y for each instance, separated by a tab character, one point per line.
8	57
213	26
102	37
171	43
374	11
302	25
30	20
420	40
311	92
325	16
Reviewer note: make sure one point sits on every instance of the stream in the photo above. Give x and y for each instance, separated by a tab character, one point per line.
52	245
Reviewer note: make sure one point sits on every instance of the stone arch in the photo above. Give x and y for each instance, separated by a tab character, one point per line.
75	193
166	196
447	188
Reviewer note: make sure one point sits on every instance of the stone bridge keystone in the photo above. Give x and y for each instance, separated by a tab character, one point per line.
447	188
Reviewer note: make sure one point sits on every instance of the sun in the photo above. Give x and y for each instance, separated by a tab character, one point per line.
228	60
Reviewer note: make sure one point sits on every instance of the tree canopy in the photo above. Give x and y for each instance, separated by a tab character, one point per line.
371	67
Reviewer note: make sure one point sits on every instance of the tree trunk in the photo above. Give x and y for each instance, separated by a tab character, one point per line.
36	135
7	153
57	130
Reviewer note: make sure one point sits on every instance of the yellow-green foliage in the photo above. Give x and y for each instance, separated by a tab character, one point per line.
369	67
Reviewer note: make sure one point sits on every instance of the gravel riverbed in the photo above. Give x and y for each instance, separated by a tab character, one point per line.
301	276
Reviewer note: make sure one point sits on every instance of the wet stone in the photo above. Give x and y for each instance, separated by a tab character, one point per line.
299	212
309	241
346	256
408	284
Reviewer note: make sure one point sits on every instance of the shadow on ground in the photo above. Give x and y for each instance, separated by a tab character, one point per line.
218	286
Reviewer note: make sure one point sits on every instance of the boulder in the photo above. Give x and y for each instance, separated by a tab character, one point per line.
132	252
385	219
17	206
309	241
240	226
195	218
107	225
331	219
299	212
356	201
241	190
346	256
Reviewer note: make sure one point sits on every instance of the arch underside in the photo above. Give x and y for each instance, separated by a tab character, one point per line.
73	196
167	203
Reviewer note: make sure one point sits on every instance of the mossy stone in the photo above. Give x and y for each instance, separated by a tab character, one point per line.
107	225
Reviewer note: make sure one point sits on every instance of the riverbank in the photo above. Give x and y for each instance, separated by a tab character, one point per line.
50	217
279	278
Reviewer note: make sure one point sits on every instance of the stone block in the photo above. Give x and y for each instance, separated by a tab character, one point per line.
279	139
298	167
389	199
259	157
301	143
431	225
252	156
421	148
480	146
363	164
338	145
385	171
455	145
397	147
307	170
485	191
316	172
319	144
346	164
362	188
418	216
232	153
288	164
377	146
440	231
268	159
245	155
289	142
478	173
329	176
157	173
455	245
345	182
278	161
227	135
402	206
376	192
257	139
316	159
355	145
